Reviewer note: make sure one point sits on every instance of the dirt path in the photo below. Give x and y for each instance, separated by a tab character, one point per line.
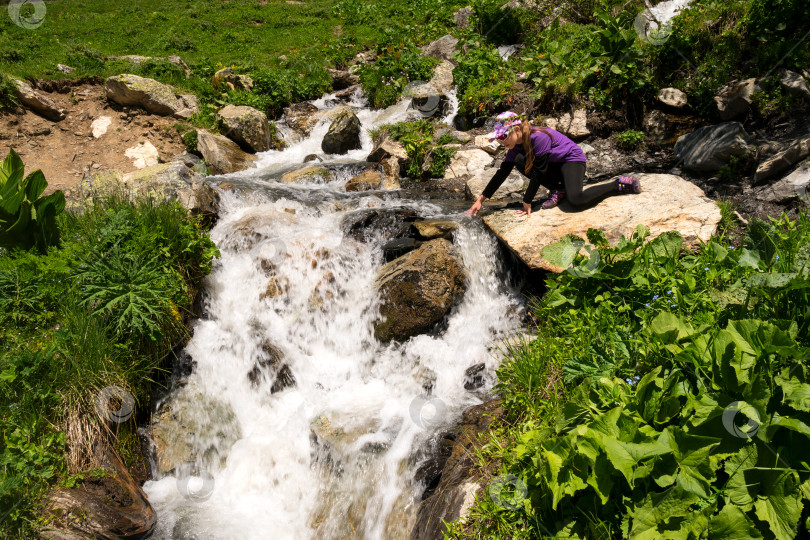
68	149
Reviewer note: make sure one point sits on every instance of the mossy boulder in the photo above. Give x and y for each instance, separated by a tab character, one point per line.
344	132
418	290
150	95
247	127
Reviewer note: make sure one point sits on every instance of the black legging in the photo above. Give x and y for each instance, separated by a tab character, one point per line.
568	176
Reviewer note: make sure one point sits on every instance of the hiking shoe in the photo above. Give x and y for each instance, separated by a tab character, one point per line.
629	184
553	199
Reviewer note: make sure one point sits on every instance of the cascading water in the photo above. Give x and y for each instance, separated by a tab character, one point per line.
302	424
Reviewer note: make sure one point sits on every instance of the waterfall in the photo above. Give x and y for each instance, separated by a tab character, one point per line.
332	450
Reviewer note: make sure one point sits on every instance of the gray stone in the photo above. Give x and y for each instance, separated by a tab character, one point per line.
783	161
710	147
302	117
342	79
462	17
657	127
344	132
468	162
575	126
247	127
443	48
418	290
672	97
462	136
38	102
513	186
148	94
442	79
65	69
385	147
222	155
794	186
489	146
794	84
667	203
734	99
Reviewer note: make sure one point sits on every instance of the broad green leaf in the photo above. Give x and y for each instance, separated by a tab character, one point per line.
750	259
796	393
669	328
665	246
781	505
738	490
731	523
656	511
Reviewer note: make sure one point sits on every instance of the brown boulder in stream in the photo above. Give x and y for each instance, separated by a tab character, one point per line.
418	290
109	507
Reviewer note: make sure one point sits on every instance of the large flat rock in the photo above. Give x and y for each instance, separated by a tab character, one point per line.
668	203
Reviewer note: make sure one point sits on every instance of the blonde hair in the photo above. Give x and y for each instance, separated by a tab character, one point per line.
527	129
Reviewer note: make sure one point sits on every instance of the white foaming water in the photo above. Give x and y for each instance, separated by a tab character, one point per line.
335	454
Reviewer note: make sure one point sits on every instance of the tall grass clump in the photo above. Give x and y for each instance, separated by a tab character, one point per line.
99	310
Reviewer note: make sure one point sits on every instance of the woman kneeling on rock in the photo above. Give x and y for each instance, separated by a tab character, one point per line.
548	158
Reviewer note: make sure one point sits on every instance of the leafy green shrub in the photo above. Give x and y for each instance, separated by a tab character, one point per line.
385	79
682	413
26	219
498	26
440	159
630	139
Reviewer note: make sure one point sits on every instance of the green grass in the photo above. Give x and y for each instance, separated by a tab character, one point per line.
100	310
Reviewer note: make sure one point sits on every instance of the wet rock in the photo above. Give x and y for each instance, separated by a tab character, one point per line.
513	186
364	181
247	127
312	157
575	126
783	161
38	102
443	48
110	507
793	83
385	147
345	436
193	427
667	203
227	78
431	229
390	171
794	186
222	155
275	287
313	173
342	79
462	17
271	367
367	224
393	249
302	117
709	148
418	290
467	162
672	97
474	376
344	132
735	98
428	100
149	94
347	93
457	488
